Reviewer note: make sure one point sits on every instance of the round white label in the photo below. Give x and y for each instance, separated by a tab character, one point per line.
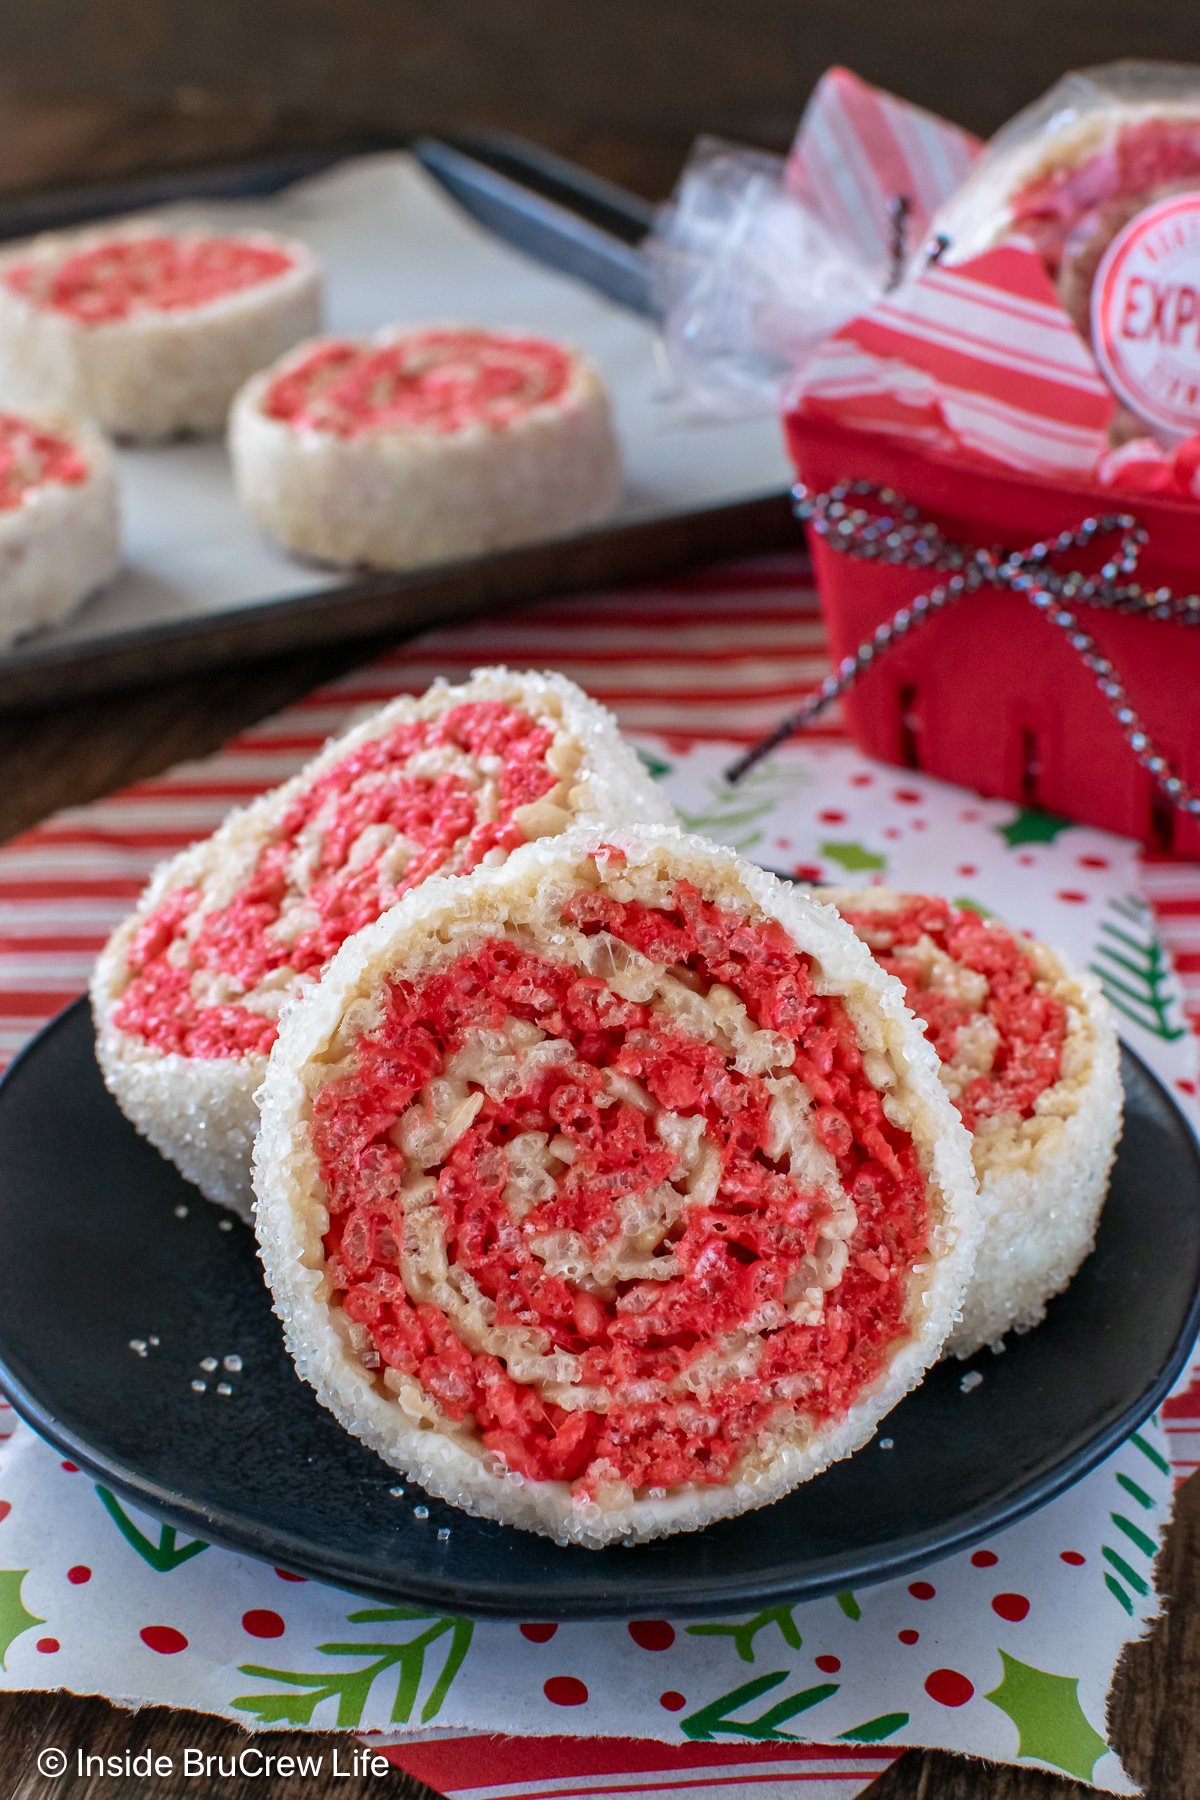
1146	315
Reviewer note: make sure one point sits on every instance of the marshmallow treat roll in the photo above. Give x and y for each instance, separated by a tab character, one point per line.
148	330
188	992
612	1191
1029	1056
59	520
414	447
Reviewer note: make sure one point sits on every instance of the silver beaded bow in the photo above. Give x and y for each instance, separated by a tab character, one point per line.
897	534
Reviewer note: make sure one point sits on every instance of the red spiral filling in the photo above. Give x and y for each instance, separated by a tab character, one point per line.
344	889
733	1256
1030	1022
435	381
31	457
146	274
1074	211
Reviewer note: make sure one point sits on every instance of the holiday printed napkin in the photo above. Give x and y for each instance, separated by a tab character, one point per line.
1005	1652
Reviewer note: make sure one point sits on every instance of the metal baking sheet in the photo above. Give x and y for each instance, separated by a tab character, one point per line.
201	586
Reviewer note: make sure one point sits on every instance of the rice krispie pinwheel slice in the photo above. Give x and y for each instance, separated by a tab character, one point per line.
414	447
60	528
613	1191
1029	1055
1076	182
148	330
188	992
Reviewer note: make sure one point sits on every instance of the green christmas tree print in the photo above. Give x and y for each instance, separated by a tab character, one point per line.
718	1717
164	1553
743	1635
408	1660
733	815
1133	970
15	1617
1051	1725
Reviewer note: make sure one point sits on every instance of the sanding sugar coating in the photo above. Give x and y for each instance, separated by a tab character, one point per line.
59	520
418	446
1029	1056
611	1191
188	992
149	330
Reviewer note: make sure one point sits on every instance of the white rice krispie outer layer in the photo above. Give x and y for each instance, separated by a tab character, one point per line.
397	499
1042	1180
432	926
200	1112
62	542
155	373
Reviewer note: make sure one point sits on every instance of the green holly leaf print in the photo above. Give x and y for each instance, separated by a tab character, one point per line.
743	1635
1029	826
1050	1722
856	859
15	1616
717	1716
163	1555
407	1661
849	1605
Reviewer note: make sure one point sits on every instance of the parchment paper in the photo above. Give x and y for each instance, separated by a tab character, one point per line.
398	250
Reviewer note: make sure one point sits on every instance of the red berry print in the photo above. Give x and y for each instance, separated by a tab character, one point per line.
970	814
79	1574
967	870
1013	1607
1076	1558
163	1638
1071	896
1184	1085
908	1636
828	1665
48	1646
892	831
808	871
565	1690
922	1590
260	1622
906	796
672	1701
831	816
286	1575
1027	860
71	1468
985	1559
864	778
948	1687
5	1509
538	1634
652	1634
920	825
1093	862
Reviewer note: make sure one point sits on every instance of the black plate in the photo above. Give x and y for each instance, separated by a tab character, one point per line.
94	1255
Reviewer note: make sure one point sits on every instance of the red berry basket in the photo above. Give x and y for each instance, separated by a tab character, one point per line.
988	693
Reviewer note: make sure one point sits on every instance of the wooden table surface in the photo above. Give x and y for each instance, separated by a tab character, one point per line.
72	754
